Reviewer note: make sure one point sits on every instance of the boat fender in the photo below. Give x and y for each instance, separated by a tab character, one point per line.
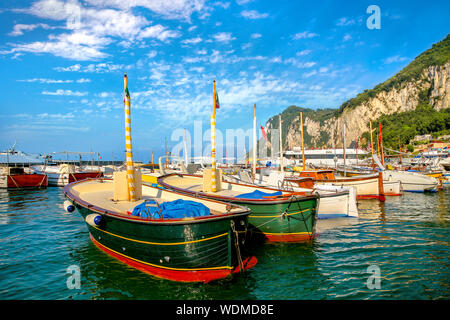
94	220
68	206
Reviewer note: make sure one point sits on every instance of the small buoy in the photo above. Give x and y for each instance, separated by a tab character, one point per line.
68	206
94	220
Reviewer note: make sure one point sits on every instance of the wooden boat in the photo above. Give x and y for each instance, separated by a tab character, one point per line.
17	178
190	249
65	173
335	201
390	188
276	215
412	181
368	186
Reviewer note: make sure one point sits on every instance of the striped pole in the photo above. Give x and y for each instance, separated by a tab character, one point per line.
128	148
213	141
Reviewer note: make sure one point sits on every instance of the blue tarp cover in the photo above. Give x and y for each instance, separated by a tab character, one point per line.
177	209
258	195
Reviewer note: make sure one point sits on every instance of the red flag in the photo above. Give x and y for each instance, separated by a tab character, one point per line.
263	133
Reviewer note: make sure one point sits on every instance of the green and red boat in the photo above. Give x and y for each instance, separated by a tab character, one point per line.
188	249
277	215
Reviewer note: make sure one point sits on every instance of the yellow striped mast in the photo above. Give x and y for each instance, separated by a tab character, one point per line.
128	147
213	141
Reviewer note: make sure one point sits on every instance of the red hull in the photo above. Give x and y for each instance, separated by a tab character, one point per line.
177	275
84	175
27	180
289	237
380	197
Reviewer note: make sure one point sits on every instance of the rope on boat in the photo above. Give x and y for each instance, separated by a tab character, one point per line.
236	244
284	214
14	180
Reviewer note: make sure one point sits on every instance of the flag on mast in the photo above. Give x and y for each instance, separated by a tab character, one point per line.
263	133
217	101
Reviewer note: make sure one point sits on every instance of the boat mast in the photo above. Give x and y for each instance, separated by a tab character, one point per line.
381	146
371	144
281	148
254	143
185	148
303	141
343	150
400	149
128	147
213	141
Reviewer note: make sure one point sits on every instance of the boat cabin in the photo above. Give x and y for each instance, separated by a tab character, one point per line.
318	174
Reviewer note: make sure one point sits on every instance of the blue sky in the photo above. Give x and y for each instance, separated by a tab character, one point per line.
62	64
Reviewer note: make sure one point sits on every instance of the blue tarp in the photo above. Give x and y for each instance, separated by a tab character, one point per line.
177	209
258	195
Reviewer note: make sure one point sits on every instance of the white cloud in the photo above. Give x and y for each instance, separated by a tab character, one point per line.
192	40
305	35
253	14
310	74
43	80
159	32
303	53
192	28
345	22
152	54
395	59
347	37
93	68
223	37
61	92
256	35
18	29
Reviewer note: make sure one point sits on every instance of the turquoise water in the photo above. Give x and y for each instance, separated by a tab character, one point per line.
406	239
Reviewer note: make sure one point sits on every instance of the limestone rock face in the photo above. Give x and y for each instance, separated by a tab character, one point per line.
397	99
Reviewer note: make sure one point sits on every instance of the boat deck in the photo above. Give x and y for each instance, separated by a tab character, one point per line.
101	195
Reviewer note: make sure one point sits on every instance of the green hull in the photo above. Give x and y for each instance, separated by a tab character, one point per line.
201	250
290	221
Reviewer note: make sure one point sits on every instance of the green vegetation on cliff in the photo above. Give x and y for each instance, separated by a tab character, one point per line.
406	125
292	114
438	55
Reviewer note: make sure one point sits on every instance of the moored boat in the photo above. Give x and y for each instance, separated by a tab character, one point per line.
17	178
276	215
64	174
335	201
368	186
412	181
175	244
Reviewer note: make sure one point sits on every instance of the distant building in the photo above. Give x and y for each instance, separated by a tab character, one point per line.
425	137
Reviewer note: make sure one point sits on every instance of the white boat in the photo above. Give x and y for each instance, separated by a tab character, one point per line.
324	157
334	202
64	174
412	181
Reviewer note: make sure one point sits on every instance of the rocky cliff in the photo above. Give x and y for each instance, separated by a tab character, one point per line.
426	79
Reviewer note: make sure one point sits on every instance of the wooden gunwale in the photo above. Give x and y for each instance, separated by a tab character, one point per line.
281	200
244	211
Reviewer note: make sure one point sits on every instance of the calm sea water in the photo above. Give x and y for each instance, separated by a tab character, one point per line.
406	239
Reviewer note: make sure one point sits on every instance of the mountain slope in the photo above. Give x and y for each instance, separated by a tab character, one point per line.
425	81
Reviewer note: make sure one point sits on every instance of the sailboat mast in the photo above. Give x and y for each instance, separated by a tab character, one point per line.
281	148
303	141
254	144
